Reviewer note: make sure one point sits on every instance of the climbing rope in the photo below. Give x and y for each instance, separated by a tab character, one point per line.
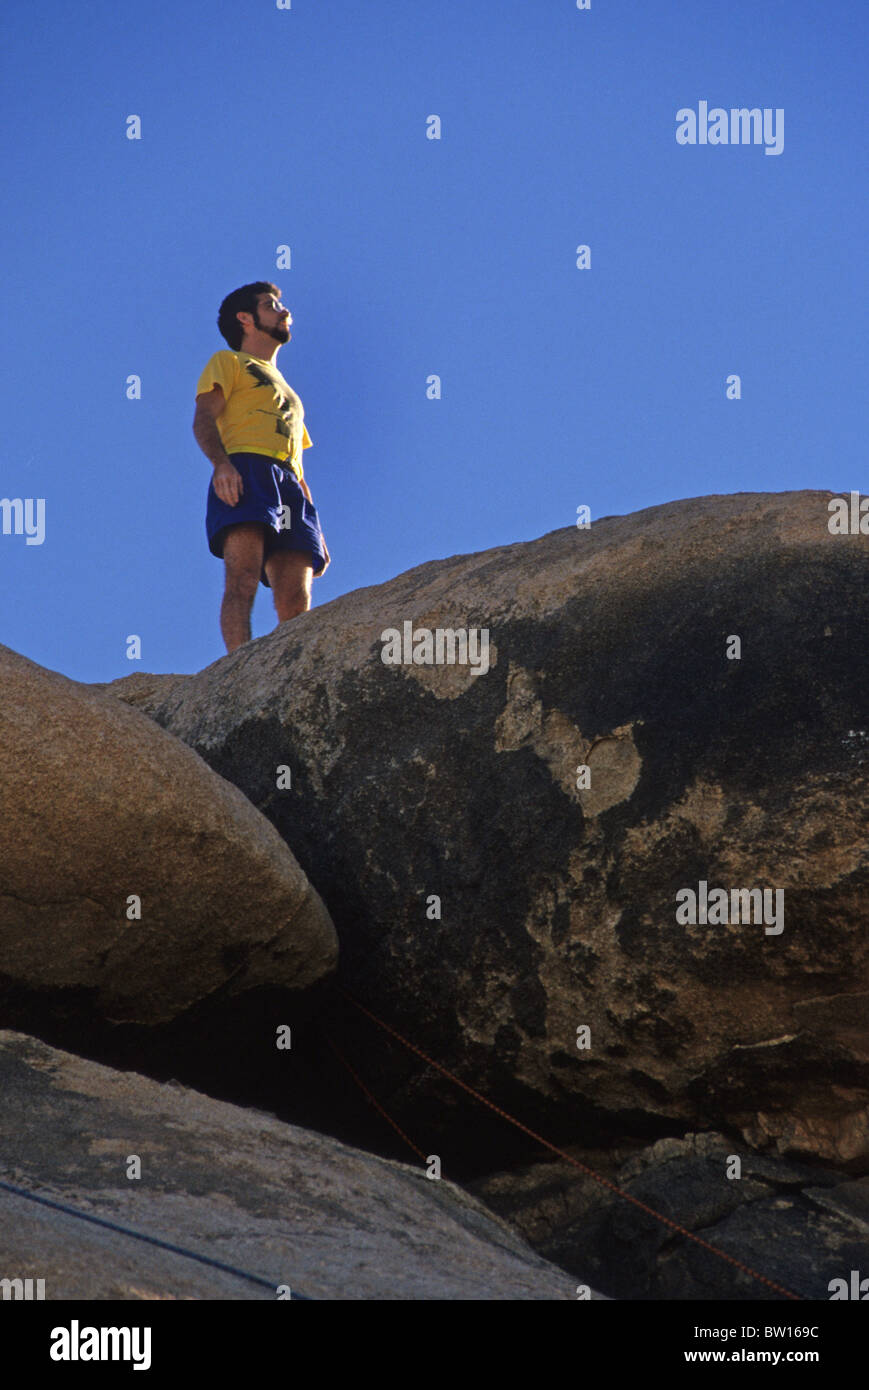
151	1240
568	1158
375	1102
483	1100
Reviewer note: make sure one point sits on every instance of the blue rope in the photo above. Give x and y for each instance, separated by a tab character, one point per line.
151	1240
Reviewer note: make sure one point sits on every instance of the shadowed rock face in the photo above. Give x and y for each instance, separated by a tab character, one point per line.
288	1206
790	1226
98	805
609	650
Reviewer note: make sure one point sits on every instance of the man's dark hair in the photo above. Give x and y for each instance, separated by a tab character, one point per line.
241	301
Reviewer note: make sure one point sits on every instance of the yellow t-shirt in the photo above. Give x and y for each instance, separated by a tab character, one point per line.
263	414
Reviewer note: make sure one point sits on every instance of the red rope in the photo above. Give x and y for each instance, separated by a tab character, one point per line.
650	1211
375	1102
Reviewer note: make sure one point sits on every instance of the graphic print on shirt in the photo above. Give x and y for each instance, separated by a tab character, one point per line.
284	422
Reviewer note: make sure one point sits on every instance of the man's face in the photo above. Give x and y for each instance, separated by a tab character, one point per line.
272	318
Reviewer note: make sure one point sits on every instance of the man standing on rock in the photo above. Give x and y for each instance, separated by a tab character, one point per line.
250	423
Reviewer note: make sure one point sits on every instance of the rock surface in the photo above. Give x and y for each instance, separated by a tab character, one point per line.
98	805
610	649
285	1205
799	1227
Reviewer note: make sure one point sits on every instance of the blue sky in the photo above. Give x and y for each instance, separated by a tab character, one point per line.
307	127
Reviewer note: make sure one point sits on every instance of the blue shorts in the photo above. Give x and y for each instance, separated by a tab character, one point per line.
271	495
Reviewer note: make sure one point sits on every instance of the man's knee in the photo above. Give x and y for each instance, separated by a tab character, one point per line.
290	577
241	583
291	600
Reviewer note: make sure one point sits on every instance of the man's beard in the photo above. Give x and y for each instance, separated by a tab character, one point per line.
280	332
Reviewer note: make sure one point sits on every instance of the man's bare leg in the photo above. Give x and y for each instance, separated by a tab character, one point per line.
243	560
290	574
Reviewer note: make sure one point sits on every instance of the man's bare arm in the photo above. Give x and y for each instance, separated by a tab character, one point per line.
227	479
